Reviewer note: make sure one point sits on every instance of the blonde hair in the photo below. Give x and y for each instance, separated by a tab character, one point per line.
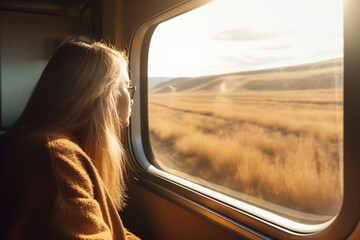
78	93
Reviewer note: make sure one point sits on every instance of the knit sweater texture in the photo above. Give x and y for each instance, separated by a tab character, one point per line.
52	190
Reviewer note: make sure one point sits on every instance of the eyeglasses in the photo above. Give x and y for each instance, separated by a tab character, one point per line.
131	91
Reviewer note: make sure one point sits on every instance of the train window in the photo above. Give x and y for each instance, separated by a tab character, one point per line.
246	98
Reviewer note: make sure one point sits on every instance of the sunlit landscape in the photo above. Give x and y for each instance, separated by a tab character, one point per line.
274	134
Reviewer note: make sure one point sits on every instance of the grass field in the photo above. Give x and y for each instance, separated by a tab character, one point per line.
249	133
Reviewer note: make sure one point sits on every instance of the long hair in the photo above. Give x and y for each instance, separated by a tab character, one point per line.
78	94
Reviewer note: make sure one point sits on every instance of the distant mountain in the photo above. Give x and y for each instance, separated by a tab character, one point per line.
156	80
318	75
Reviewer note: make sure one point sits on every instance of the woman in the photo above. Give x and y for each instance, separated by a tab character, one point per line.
62	163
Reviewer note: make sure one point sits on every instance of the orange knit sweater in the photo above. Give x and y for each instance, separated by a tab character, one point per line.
52	190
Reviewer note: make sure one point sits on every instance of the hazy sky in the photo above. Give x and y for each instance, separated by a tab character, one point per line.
237	35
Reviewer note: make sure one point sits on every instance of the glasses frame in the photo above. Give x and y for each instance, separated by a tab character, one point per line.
131	90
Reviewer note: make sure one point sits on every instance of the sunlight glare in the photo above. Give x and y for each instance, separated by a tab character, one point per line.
237	35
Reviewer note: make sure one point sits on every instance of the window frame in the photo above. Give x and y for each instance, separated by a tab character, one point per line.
203	201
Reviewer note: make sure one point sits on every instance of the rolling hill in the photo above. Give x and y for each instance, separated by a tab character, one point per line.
319	75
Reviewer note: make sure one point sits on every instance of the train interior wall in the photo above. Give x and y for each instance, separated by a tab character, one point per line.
27	41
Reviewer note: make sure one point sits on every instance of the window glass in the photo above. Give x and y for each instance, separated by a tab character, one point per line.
246	98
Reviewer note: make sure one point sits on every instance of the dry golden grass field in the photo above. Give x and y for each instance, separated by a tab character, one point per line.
273	134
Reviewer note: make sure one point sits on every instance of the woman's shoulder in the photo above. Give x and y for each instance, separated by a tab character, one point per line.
35	160
52	155
65	151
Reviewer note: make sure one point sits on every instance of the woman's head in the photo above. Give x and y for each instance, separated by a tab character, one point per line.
81	81
84	91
